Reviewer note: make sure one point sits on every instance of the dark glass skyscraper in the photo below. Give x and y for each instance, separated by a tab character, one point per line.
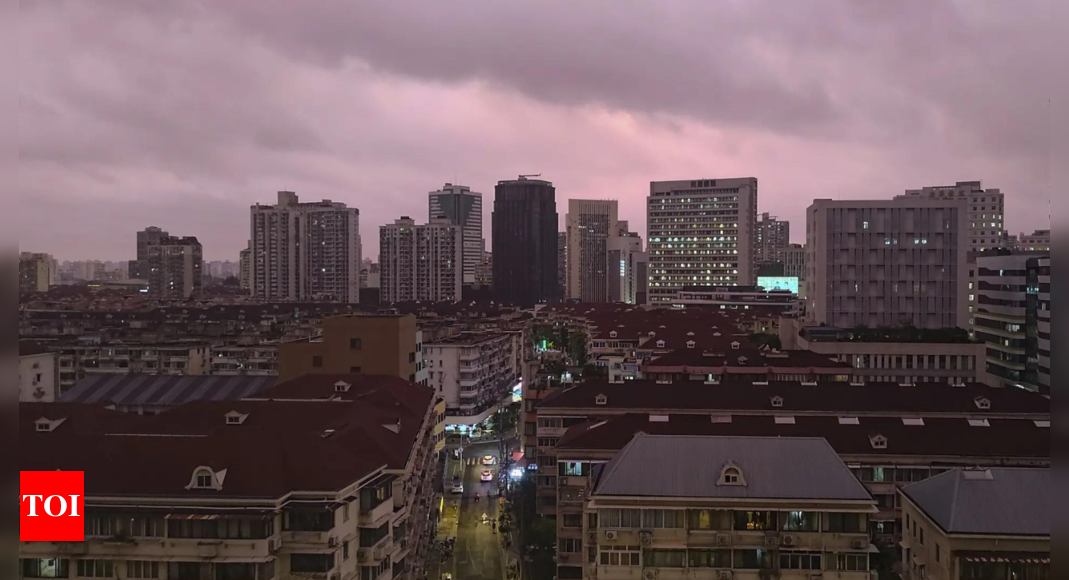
525	242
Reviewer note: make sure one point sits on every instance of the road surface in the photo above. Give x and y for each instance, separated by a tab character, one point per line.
478	554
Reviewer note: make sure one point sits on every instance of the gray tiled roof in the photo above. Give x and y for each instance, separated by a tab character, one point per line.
690	466
163	390
1011	501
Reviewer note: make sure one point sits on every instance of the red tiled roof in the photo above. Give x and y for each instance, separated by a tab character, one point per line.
697	357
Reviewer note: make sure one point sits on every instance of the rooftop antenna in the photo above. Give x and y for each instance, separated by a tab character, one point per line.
530	175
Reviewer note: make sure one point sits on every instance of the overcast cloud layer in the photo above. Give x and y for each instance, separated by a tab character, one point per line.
182	114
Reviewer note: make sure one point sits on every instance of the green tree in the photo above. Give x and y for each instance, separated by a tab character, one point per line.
577	349
763	338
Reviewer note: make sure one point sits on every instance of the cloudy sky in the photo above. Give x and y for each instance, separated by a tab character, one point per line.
182	114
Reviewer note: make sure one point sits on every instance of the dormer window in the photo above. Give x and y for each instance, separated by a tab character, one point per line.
777	402
206	478
235	418
731	475
45	425
601	400
982	403
691	344
878	442
660	344
341	387
613	334
651	334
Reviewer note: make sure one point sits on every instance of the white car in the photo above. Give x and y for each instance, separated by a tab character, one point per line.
458	488
487	476
489	460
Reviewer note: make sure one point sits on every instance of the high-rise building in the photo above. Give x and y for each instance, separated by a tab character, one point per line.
701	233
421	262
793	259
1044	325
562	262
590	225
37	272
245	268
462	207
525	242
888	262
305	251
627	275
484	274
771	238
1009	313
176	268
149	236
986	223
1038	241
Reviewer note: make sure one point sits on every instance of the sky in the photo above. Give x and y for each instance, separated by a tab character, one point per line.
183	114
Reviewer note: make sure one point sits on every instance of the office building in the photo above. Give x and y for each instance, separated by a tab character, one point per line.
474	372
771	237
176	268
750	506
525	242
462	207
305	251
701	233
287	485
562	262
1007	317
420	262
590	226
382	344
991	522
245	268
888	263
484	273
1038	241
1044	325
627	274
794	261
985	211
139	268
37	272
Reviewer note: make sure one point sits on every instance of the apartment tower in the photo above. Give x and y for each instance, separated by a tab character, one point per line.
305	251
700	233
37	272
525	242
590	226
888	262
986	223
421	262
462	207
149	236
176	268
772	237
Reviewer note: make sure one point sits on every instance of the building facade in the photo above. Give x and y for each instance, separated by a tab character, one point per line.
176	268
700	233
473	372
37	272
78	360
421	262
985	211
1038	241
771	237
245	269
562	262
627	274
1007	317
888	263
525	242
484	273
1044	325
383	344
139	268
462	207
38	375
305	251
794	261
591	225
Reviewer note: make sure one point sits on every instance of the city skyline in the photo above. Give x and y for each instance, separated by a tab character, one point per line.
357	128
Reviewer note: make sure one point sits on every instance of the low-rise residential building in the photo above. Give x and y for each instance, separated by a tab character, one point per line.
737	298
244	360
474	372
151	394
752	508
380	344
38	374
335	481
985	523
77	361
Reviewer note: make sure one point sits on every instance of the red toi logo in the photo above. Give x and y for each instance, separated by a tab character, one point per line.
52	506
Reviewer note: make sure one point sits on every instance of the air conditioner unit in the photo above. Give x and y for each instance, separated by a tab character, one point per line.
859	544
723	575
611	535
771	541
645	538
649	575
723	540
788	541
273	545
592	538
332	542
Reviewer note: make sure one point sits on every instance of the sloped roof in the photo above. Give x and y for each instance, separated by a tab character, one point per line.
997	501
691	466
163	390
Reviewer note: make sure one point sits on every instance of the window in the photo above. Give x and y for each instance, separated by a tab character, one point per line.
98	525
235	571
95	569
311	563
142	569
317	362
848	562
205	480
846	523
751	521
570	545
709	558
573	520
938	553
620	556
345	551
800	521
731	476
356	344
45	568
800	561
662	519
572	468
665	558
922	536
710	520
620	518
753	559
373	572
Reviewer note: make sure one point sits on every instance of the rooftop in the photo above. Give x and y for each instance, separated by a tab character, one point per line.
770	468
467	339
996	501
162	390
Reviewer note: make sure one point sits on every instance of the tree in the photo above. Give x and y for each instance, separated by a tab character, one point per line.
577	347
763	338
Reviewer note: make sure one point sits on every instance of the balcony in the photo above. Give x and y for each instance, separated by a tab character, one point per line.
154	549
377	515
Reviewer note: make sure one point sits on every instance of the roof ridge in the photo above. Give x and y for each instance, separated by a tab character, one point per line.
958	476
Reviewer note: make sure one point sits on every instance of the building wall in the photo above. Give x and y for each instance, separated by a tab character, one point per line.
1039	241
525	243
591	225
700	233
885	263
462	207
772	237
986	218
176	268
75	362
1007	318
472	372
38	378
624	276
37	272
1044	325
374	345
